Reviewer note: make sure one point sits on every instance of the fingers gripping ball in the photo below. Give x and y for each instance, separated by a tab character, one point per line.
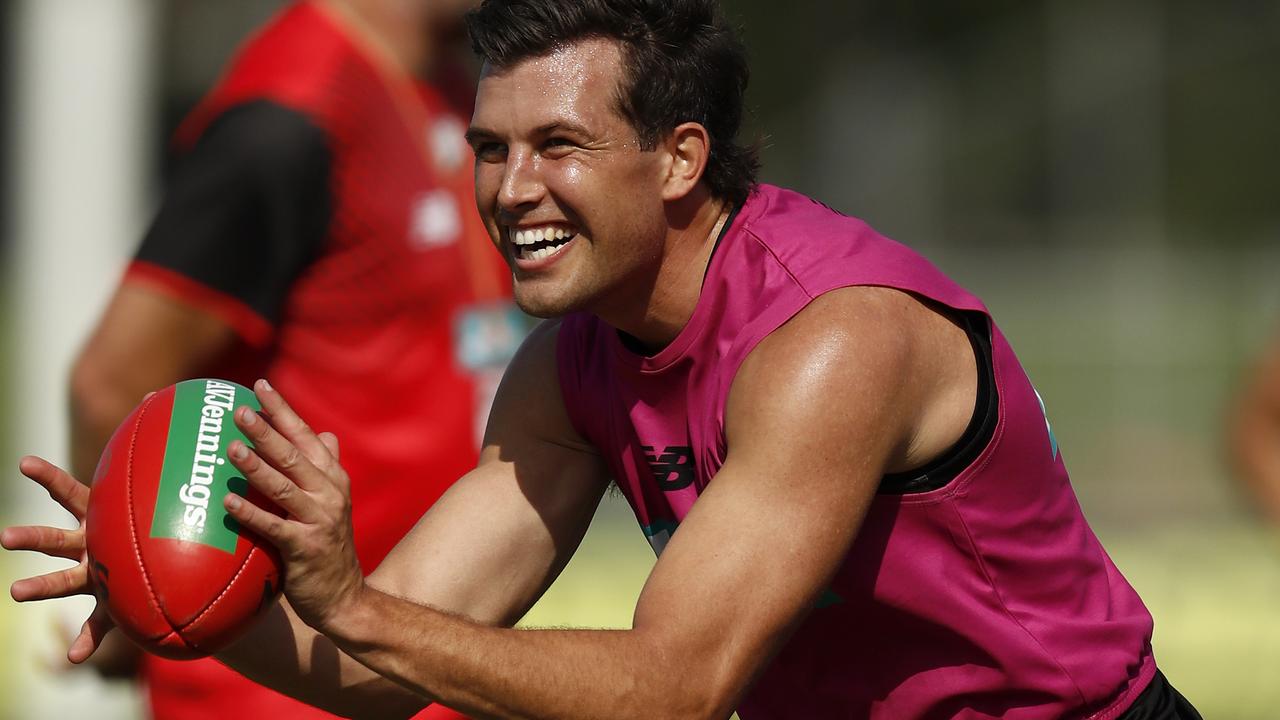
176	573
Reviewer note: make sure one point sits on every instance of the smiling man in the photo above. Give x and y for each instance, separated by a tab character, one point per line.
858	506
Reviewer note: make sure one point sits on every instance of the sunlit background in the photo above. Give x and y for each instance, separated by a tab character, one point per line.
1104	173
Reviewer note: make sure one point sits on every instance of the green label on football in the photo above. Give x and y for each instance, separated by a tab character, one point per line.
197	474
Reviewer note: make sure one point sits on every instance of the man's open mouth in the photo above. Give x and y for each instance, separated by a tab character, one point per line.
536	243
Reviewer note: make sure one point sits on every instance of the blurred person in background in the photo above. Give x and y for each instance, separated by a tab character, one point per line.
320	230
1255	434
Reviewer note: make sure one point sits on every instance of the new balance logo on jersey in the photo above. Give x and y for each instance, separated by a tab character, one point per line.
672	468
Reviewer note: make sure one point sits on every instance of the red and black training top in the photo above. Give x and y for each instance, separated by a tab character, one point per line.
323	208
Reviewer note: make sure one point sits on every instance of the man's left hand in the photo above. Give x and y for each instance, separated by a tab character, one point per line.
298	470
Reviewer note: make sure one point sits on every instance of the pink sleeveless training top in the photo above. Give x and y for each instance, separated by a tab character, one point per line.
989	597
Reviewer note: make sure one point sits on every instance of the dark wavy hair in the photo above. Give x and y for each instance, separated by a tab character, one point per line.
682	63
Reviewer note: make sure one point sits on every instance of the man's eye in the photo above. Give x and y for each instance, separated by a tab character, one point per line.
490	151
557	147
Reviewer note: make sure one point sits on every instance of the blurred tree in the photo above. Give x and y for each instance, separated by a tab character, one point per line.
1201	82
1224	108
6	10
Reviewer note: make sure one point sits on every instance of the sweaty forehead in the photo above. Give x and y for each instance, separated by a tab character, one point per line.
575	81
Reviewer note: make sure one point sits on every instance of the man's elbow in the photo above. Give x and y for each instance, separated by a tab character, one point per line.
703	704
99	398
703	687
94	399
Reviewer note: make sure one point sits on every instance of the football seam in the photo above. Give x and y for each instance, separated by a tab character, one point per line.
133	520
175	634
226	589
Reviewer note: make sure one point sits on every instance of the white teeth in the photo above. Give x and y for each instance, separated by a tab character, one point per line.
522	239
529	237
540	253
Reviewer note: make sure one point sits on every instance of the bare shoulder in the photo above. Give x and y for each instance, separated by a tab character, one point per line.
533	374
864	359
539	348
529	405
868	329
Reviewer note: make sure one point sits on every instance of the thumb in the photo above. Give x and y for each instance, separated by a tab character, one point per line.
90	637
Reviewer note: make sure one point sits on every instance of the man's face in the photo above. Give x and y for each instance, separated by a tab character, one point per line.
568	196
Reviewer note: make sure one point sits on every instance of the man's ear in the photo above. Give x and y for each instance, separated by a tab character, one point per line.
688	147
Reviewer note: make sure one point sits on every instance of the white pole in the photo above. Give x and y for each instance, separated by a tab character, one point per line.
81	98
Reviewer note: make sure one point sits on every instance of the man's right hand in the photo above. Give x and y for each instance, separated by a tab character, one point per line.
59	543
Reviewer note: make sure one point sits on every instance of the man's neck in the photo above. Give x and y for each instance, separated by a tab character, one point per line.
678	284
395	29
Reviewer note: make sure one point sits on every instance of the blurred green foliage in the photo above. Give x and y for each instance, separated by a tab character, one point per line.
1199	80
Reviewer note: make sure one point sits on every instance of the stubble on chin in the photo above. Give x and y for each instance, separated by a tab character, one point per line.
547	303
543	308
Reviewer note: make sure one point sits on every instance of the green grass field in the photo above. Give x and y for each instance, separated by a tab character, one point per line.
599	587
8	640
1213	592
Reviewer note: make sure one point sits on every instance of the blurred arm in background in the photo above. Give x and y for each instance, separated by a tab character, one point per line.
254	185
186	307
1255	434
144	341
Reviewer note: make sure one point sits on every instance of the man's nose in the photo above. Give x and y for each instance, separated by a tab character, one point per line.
521	182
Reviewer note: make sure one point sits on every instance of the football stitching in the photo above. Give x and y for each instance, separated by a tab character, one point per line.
133	521
175	634
215	601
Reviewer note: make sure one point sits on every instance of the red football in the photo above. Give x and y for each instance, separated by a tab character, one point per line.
177	574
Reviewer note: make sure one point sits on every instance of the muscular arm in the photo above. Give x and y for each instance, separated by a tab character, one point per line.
485	551
810	433
1256	435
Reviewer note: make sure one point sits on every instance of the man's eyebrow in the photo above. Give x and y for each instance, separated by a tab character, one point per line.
561	125
476	134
